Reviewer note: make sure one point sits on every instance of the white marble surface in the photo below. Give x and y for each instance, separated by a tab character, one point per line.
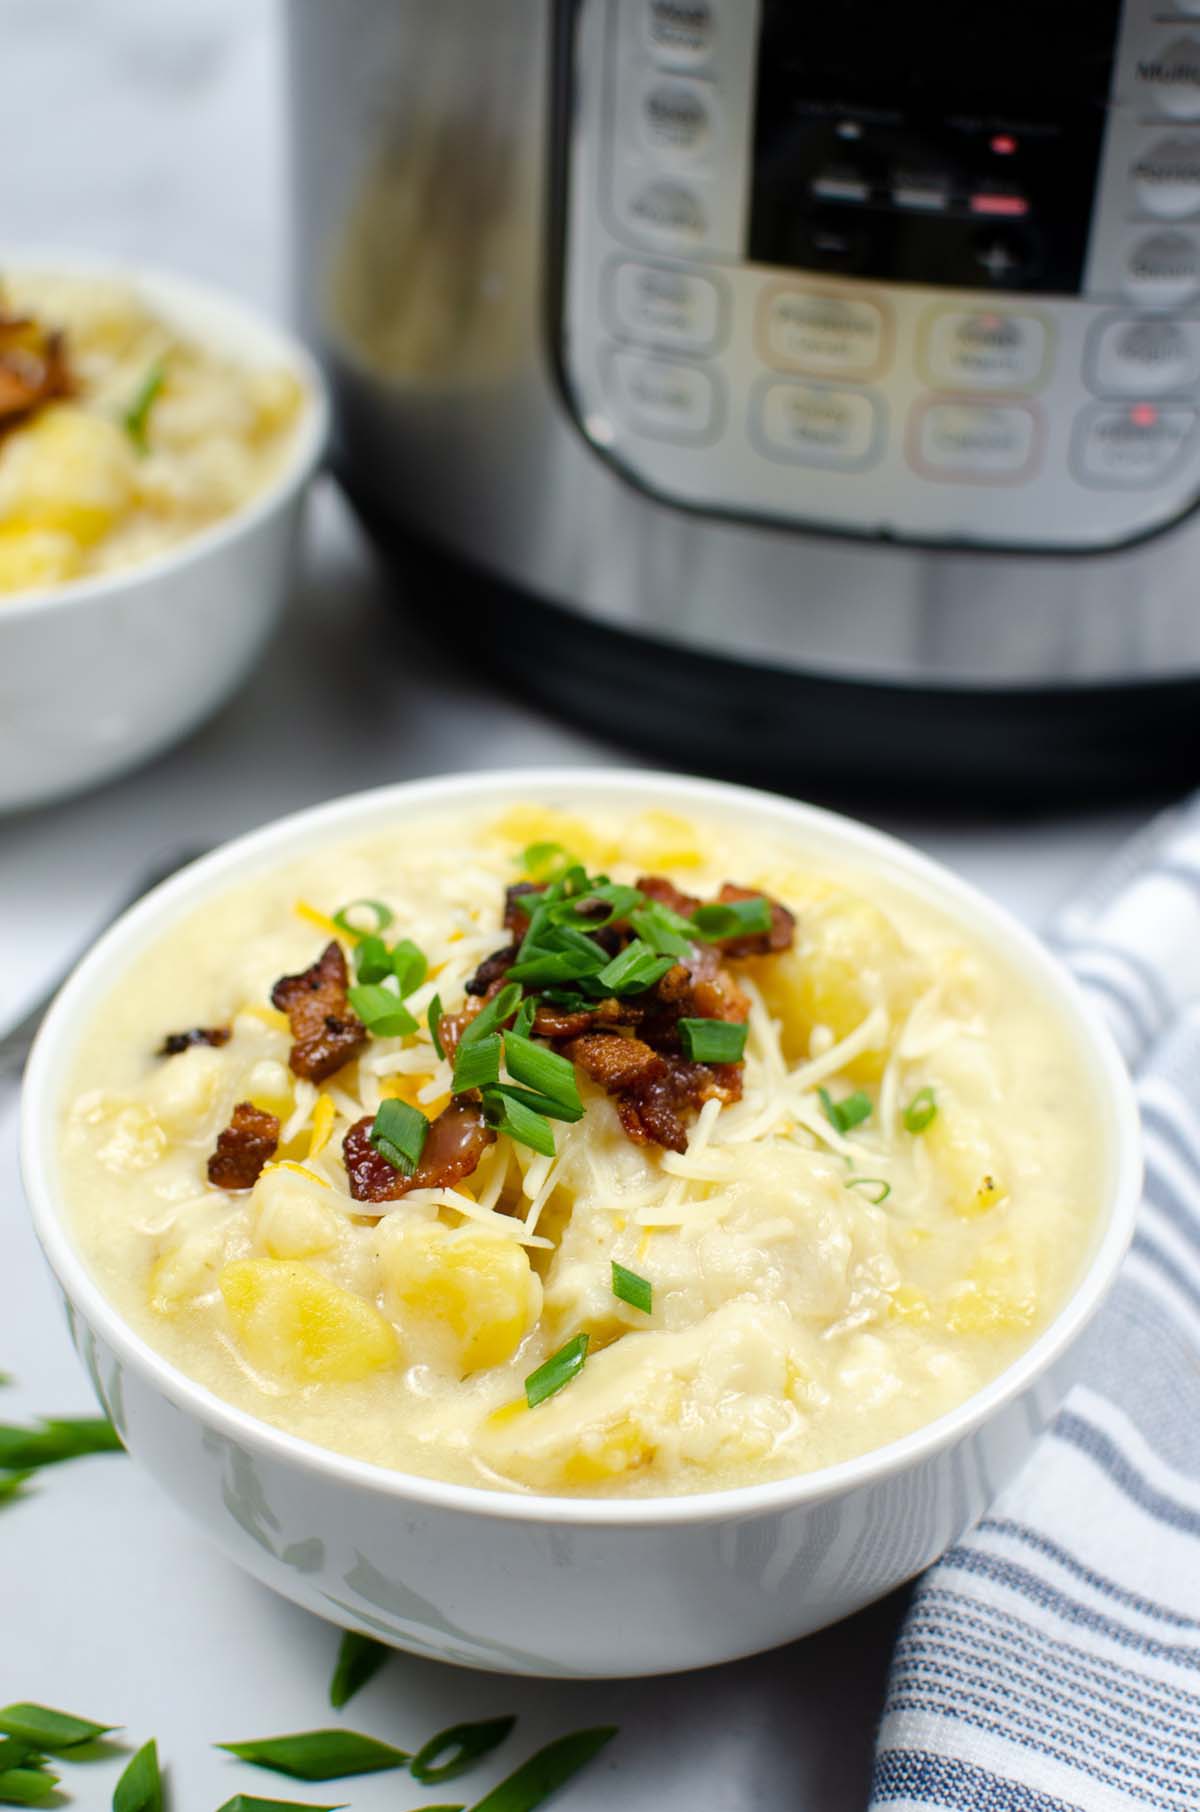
153	130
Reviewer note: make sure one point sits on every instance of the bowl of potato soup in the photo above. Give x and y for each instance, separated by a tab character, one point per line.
156	441
577	1223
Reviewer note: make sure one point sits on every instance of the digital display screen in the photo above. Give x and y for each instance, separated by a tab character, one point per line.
929	144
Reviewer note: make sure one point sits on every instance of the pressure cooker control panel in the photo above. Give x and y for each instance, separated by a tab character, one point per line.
844	268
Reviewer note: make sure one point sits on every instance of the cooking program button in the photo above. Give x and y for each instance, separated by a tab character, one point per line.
1144	356
817	426
1129	446
662	399
829	335
1167	177
979	442
1163	269
674	308
667	210
680	31
677	117
985	350
1169	79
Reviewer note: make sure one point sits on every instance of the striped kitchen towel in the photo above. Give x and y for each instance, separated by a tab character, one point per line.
1051	1661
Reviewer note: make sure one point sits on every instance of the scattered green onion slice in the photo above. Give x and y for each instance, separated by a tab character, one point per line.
319	1755
434	1020
615	900
26	1786
381	917
523	1024
136	418
666	932
555	954
874	1188
15	1753
507	1113
489	1019
248	1802
545	1772
381	1010
542	1070
634	970
544	861
68	1438
54	1731
848	1113
542	1104
398	1134
140	1786
558	1370
713	1040
359	1660
920	1110
465	1742
409	965
372	959
637	1291
732	918
10	1486
477	1065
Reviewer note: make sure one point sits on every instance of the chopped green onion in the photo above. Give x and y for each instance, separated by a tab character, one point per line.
920	1111
558	953
136	418
54	1731
874	1188
613	900
465	1742
140	1786
634	970
26	1786
544	861
14	1753
542	1070
523	1024
372	959
713	1040
545	1772
478	1064
434	1019
381	917
319	1755
666	932
10	1486
506	1112
409	965
249	1802
848	1113
359	1660
732	918
546	1105
398	1134
637	1291
558	1370
66	1439
381	1010
489	1019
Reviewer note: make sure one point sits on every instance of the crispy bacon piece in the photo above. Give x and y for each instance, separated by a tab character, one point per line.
614	1062
33	367
454	1144
758	943
516	899
657	887
175	1042
326	1033
493	968
247	1143
652	1113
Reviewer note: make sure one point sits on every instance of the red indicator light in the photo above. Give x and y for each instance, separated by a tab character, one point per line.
1143	415
1007	205
1004	145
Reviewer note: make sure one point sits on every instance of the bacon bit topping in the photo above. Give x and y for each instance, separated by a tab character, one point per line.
516	898
175	1042
614	1062
33	367
248	1142
326	1033
492	969
652	1112
665	893
762	943
454	1144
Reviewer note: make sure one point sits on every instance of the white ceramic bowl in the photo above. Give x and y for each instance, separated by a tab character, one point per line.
98	674
551	1585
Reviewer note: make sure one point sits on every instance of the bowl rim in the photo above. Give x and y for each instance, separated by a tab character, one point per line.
340	819
191	296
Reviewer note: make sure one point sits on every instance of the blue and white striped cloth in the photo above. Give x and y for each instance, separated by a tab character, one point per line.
1051	1661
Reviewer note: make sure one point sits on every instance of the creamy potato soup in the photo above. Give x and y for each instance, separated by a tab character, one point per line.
608	1153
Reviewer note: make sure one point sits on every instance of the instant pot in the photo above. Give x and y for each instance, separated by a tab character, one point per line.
792	390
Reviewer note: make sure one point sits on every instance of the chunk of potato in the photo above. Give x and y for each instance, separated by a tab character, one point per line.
468	1297
31	557
968	1161
291	1220
298	1325
69	471
848	959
